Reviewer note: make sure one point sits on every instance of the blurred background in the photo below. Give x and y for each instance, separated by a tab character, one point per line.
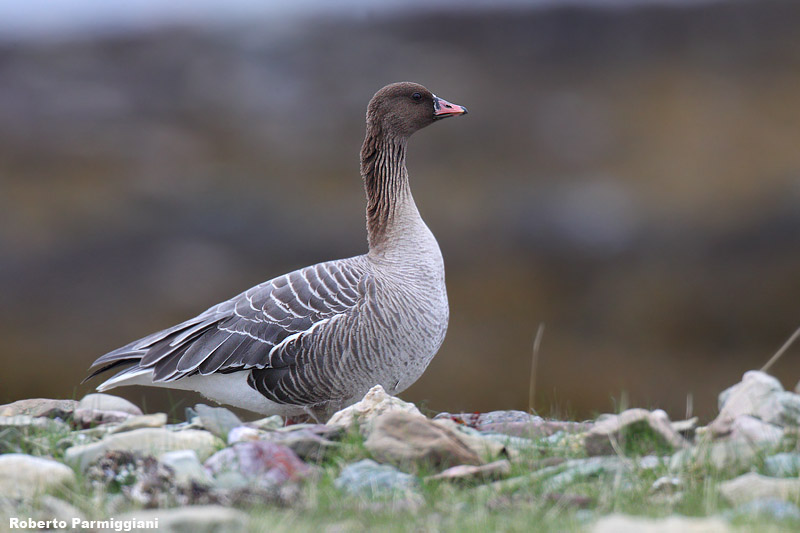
628	175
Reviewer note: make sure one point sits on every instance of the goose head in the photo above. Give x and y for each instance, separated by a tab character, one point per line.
400	109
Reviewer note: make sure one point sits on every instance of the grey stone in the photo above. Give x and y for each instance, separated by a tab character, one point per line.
268	423
618	523
370	479
244	433
108	402
782	465
193	519
375	403
87	418
754	430
467	473
25	422
615	429
305	443
577	470
25	476
752	486
156	420
489	447
37	407
515	423
217	420
407	439
722	455
186	467
770	508
759	395
153	441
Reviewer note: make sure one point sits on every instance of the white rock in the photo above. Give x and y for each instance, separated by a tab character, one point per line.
24	476
375	403
617	523
156	420
752	486
753	430
187	467
197	519
598	440
153	441
243	433
759	395
108	402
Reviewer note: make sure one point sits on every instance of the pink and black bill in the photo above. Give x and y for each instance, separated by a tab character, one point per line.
443	109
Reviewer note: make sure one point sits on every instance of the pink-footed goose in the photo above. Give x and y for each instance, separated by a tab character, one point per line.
317	339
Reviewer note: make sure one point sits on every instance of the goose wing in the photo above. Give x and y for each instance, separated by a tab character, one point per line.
249	331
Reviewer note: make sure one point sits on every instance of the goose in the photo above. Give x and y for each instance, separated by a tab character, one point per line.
315	340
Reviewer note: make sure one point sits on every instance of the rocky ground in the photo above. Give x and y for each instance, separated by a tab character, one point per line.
382	464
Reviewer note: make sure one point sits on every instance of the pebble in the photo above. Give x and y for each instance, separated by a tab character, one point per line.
153	441
407	439
264	463
467	473
108	402
370	479
617	523
194	519
156	420
375	403
615	428
218	420
782	465
752	486
187	467
37	407
25	476
766	508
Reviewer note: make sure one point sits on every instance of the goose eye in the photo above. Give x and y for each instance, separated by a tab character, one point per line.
416	96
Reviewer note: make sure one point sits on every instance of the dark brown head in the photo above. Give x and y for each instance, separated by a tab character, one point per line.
402	108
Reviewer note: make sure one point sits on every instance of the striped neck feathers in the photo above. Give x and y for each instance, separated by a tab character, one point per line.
383	168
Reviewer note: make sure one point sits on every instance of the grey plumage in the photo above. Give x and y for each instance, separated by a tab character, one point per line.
318	338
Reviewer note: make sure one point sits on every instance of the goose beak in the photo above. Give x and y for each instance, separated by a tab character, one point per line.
443	109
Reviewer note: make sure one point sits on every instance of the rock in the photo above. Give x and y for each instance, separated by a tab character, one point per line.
243	434
321	430
38	407
771	509
617	523
88	418
722	455
268	423
515	423
194	519
467	473
263	463
25	422
108	402
156	420
375	403
626	429
752	486
759	395
754	431
406	439
370	479
153	441
186	467
666	485
54	508
217	420
304	442
485	446
25	476
577	470
782	465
